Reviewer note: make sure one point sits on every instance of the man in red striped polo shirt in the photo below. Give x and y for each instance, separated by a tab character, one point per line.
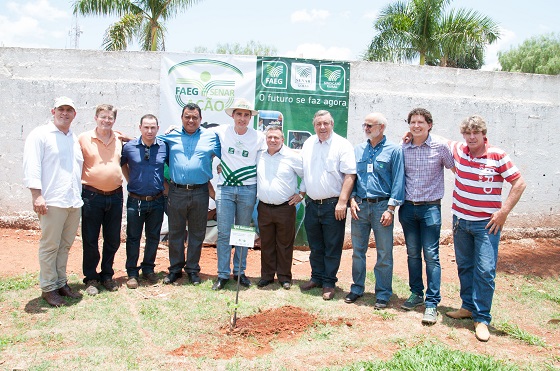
478	218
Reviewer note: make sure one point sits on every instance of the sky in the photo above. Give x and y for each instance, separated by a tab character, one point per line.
316	29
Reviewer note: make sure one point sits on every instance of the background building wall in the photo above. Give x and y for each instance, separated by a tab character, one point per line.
521	111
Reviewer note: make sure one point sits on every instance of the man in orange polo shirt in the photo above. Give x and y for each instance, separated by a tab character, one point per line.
103	199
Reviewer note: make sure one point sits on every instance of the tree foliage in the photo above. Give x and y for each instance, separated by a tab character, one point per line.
539	54
141	20
425	30
251	48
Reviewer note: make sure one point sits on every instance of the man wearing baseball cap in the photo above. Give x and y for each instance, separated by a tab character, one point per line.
52	168
237	186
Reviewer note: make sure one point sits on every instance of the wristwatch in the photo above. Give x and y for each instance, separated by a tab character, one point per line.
392	212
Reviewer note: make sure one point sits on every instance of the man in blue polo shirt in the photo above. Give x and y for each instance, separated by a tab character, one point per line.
191	151
142	163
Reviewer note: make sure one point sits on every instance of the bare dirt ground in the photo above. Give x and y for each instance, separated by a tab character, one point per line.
518	258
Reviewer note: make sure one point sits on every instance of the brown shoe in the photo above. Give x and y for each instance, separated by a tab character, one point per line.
461	313
53	298
309	285
110	285
132	283
481	331
67	291
328	293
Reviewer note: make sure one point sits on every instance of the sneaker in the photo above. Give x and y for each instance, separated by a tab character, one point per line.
412	302
132	283
110	285
430	316
92	287
380	304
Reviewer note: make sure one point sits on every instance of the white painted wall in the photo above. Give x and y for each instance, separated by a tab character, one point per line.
521	111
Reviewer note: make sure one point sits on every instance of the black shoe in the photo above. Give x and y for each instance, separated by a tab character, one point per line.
244	281
151	277
263	282
194	278
286	285
172	277
351	297
220	284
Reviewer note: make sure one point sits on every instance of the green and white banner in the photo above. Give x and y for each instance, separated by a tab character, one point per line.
286	91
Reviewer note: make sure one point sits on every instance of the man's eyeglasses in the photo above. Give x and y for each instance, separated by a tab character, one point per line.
147	153
369	126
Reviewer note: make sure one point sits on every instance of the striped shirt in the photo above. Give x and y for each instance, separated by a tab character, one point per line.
423	169
478	181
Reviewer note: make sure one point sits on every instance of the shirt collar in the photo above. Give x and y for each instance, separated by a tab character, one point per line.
381	142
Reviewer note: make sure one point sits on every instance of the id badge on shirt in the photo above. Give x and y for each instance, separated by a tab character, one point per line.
370	168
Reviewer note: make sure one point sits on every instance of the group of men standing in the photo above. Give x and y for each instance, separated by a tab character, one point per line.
71	176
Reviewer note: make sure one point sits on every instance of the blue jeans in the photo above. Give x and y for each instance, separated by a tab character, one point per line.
186	207
100	211
234	205
140	215
326	236
369	218
476	253
421	227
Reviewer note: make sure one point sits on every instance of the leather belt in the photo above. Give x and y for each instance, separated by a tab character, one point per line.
329	200
273	205
420	203
145	198
95	190
375	200
188	187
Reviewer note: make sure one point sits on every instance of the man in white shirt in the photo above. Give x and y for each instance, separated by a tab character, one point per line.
237	187
52	168
329	170
277	190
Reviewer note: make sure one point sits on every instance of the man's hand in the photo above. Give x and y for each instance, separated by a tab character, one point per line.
39	203
340	210
386	219
497	221
295	199
407	137
171	128
354	208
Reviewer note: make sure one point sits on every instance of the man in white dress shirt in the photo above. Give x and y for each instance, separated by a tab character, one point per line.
329	170
277	190
52	168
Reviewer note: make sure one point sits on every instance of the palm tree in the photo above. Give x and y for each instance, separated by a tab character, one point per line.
142	20
422	29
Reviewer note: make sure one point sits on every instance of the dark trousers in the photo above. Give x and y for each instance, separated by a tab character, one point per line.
147	215
277	225
186	207
326	237
100	211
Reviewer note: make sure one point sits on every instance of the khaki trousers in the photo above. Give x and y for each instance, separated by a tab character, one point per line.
58	230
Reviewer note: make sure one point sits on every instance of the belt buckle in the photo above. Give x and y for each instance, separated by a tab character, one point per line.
149	198
189	187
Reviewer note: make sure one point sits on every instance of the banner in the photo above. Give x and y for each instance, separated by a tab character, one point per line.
211	81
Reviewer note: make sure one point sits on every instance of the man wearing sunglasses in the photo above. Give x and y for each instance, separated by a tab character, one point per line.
378	190
142	164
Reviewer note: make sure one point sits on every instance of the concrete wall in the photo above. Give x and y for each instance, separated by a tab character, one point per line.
521	111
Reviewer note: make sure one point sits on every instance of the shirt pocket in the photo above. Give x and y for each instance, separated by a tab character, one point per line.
361	167
331	165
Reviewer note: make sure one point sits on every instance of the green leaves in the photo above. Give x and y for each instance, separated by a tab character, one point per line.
539	54
422	29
